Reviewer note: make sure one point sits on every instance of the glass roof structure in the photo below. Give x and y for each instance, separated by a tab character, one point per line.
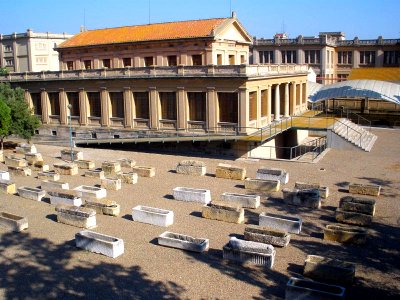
372	89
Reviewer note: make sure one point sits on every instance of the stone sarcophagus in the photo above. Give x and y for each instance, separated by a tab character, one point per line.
154	216
31	193
51	175
40	166
4	175
249	252
99	243
13	222
280	222
353	218
323	190
365	189
329	270
14	161
262	185
357	204
223	212
76	216
128	177
103	206
111	168
95	173
192	195
66	168
19	171
66	197
244	200
143	171
184	242
273	174
126	162
67	154
297	288
191	167
266	235
303	198
32	158
345	234
25	148
87	192
230	172
111	183
85	164
53	185
7	186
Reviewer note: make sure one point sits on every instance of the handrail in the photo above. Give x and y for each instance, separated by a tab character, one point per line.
346	112
347	128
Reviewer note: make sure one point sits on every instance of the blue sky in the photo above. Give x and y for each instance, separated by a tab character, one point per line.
366	19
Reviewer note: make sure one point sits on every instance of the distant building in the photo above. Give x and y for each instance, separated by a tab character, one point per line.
331	56
30	51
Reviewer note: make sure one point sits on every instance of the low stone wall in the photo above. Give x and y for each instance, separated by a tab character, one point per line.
19	171
262	185
126	162
345	234
244	200
329	270
307	289
85	164
99	243
129	178
4	175
323	190
353	218
273	174
51	175
143	171
280	222
223	212
111	168
303	198
103	206
365	189
113	184
7	186
13	222
31	193
230	172
192	195
66	168
356	204
12	161
191	167
249	252
53	184
76	216
95	173
184	242
76	155
66	197
87	192
154	216
266	235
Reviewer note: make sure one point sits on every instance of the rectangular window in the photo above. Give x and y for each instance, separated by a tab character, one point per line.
289	56
141	104
94	104
168	105
242	59
367	57
228	107
37	103
172	61
40	46
7	48
231	59
219	59
73	99
345	57
391	57
88	64
197	106
127	61
117	104
148	61
41	60
197	60
107	63
54	104
70	65
252	106
312	56
266	57
9	62
342	77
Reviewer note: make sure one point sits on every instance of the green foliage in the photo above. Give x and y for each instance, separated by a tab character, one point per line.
23	122
5	121
3	71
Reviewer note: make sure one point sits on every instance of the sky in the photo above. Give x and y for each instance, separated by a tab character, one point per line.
366	19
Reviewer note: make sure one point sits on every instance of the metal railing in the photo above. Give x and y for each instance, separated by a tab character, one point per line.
355	118
348	132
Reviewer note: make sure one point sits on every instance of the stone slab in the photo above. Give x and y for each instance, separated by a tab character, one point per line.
32	158
192	195
76	155
31	193
345	234
95	173
23	148
303	198
353	218
103	206
273	174
357	204
87	192
280	222
144	171
262	185
13	222
53	184
244	200
99	243
7	186
128	177
85	164
66	197
126	162
184	242
230	172
66	168
113	184
323	190
12	161
223	212
266	235
365	189
111	168
191	167
76	216
19	171
50	175
152	215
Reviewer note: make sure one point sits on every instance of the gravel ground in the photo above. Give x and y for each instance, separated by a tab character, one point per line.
43	262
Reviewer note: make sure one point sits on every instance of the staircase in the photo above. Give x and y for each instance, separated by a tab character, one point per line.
354	134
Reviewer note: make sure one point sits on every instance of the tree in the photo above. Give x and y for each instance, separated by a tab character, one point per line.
5	121
3	71
23	122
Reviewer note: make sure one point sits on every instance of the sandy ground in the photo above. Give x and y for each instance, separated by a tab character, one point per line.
43	262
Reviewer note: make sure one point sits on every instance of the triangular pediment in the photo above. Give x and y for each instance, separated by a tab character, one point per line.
232	31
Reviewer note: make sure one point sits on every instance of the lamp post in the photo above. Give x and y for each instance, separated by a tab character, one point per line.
70	132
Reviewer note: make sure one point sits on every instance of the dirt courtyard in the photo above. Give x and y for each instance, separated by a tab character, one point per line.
43	263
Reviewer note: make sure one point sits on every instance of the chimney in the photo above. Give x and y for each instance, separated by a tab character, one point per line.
234	16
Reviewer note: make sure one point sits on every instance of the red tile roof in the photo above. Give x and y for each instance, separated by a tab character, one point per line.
140	33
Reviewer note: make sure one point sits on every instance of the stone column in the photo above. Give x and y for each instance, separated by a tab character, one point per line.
211	109
269	90
277	111
28	98
293	99
128	108
83	107
181	122
44	99
154	119
243	109
105	107
286	110
301	96
356	58
63	106
304	90
379	59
